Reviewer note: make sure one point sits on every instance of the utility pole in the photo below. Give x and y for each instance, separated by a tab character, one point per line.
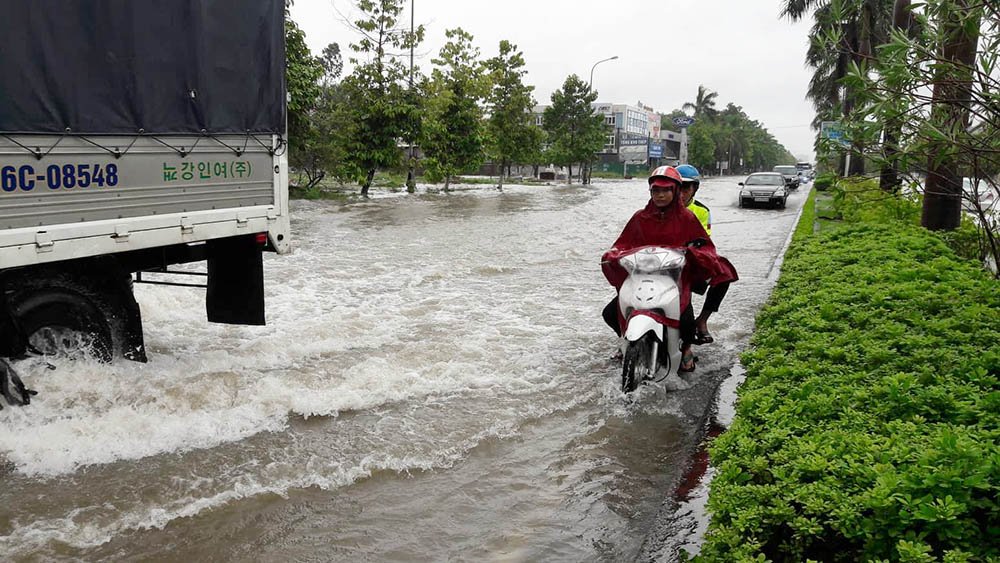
683	156
411	181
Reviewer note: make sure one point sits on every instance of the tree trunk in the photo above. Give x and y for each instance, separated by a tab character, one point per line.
368	182
888	178
857	166
503	168
411	177
902	20
569	173
950	113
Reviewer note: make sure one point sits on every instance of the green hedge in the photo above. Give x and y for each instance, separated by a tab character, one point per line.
824	181
859	200
867	427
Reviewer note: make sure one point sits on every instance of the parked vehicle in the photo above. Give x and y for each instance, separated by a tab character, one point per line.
790	174
650	304
979	193
151	135
763	188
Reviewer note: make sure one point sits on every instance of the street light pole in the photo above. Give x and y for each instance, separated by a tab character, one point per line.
591	82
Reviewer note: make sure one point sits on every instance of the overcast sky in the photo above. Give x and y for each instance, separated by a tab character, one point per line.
665	48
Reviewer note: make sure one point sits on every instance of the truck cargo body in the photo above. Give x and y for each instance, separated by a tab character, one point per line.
136	135
79	201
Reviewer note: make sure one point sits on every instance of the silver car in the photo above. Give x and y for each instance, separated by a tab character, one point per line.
764	188
790	174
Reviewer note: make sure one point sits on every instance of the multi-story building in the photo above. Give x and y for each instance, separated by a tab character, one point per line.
634	136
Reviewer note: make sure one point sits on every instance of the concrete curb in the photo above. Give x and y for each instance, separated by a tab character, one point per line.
682	523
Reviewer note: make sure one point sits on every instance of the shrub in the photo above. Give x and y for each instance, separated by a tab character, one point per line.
868	426
824	181
860	200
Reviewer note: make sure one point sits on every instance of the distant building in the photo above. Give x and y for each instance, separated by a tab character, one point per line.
634	135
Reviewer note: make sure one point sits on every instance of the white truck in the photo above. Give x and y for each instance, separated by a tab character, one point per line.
135	136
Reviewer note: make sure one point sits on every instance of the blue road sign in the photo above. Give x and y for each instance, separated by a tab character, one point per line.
834	131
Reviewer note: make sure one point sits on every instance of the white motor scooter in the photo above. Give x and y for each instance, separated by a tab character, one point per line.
650	303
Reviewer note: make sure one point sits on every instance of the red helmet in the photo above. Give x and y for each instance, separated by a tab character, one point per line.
662	173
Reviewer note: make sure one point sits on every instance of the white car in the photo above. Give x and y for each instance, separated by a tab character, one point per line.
764	188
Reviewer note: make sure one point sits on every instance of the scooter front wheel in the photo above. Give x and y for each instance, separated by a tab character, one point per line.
639	362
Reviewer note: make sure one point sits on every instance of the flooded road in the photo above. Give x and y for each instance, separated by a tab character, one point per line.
434	383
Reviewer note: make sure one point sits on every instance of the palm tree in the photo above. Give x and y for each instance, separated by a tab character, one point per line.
704	103
860	27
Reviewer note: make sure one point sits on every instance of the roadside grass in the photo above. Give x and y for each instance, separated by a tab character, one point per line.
807	221
868	425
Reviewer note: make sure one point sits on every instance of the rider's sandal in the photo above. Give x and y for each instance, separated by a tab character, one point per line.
703	337
687	360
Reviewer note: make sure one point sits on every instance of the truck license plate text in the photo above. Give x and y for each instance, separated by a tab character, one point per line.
58	176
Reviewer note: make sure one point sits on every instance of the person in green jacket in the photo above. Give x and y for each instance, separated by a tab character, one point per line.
690	182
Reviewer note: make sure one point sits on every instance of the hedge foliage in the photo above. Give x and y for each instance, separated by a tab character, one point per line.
860	200
824	181
867	427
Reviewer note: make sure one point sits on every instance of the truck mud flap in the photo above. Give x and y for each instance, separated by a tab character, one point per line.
12	341
235	281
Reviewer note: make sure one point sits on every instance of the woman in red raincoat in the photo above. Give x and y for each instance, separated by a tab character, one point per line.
665	221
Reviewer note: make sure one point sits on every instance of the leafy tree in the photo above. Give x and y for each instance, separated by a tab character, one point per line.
453	135
333	64
377	105
667	119
318	150
512	134
302	74
733	136
701	145
575	132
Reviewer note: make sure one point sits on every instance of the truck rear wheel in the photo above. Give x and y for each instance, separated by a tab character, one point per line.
59	320
87	308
